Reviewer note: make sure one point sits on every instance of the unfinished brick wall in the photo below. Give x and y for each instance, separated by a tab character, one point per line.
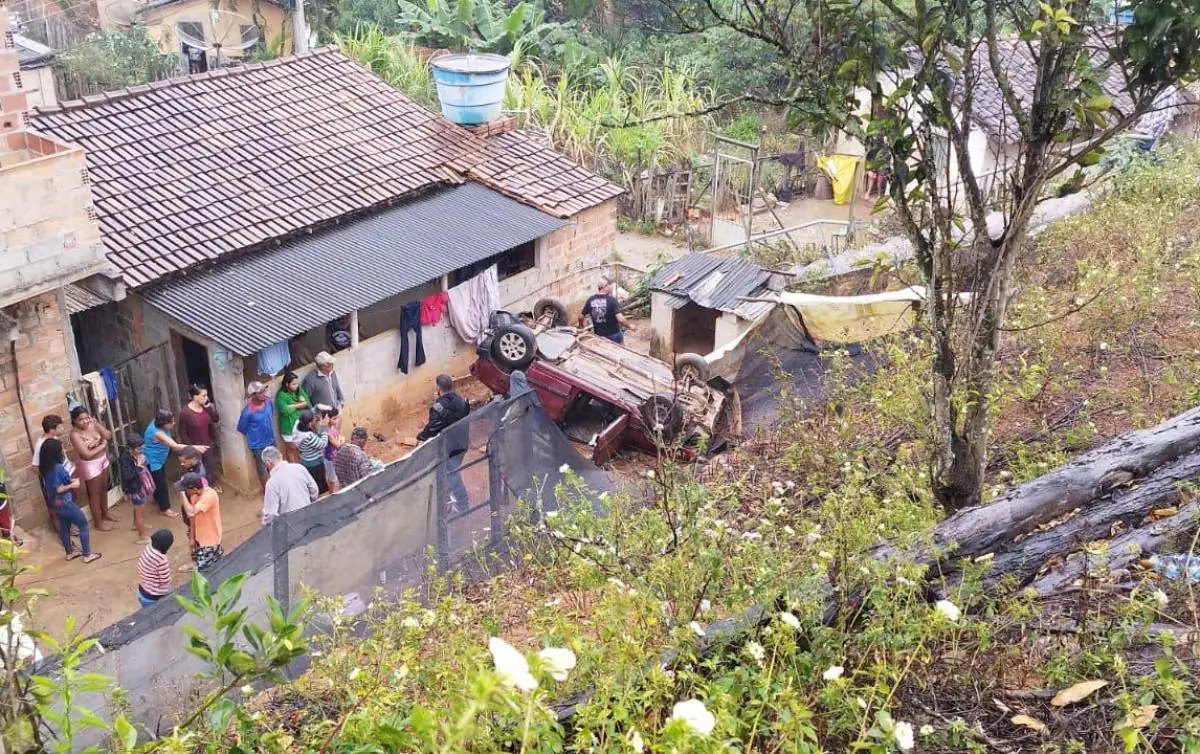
35	375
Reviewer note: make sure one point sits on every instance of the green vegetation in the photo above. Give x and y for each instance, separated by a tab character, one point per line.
112	59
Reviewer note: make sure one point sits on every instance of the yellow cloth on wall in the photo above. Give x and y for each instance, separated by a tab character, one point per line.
841	169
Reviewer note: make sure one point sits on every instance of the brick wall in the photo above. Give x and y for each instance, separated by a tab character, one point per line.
38	380
12	99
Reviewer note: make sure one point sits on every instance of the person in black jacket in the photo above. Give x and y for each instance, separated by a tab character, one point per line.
447	409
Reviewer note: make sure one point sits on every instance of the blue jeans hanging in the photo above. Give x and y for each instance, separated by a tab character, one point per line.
410	319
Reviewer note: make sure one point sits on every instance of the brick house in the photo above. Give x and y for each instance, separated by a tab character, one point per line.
49	244
247	207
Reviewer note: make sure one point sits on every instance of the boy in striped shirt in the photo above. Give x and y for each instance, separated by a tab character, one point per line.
154	569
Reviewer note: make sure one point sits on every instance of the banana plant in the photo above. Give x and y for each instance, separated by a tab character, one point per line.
476	25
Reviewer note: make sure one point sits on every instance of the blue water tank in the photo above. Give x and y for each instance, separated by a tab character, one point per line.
470	86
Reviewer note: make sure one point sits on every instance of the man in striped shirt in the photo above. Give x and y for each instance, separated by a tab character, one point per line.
154	568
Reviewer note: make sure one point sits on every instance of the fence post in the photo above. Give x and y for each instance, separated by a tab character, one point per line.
496	501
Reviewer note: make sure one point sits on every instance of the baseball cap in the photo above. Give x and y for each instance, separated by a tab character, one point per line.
256	387
190	481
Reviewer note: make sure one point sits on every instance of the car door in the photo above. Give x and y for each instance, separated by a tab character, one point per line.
609	441
554	388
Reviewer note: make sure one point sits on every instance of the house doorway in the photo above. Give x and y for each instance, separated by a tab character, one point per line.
194	360
695	329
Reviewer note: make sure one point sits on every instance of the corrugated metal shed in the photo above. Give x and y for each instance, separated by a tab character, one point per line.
249	303
714	283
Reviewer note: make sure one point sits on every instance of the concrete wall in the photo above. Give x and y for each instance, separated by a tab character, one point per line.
48	234
38	84
271	19
662	326
35	376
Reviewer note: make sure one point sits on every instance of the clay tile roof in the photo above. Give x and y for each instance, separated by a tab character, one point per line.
201	166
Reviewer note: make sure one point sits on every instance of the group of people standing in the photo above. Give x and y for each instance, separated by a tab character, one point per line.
312	458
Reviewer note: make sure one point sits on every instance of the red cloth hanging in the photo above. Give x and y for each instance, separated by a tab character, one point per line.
433	306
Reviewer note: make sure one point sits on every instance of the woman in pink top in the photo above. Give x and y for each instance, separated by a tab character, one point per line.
90	439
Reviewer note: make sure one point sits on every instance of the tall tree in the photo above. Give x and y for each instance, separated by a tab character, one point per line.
914	80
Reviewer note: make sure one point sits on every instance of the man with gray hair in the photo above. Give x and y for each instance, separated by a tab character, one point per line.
605	312
289	486
321	384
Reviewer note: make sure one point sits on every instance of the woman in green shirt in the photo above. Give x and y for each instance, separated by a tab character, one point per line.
290	401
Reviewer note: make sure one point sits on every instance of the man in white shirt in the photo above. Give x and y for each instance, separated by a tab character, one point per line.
289	486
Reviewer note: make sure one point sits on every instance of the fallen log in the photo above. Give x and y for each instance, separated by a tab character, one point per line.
987	528
1126	549
1127	507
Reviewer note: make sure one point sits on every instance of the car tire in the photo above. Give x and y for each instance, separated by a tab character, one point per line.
695	365
663	416
514	347
546	306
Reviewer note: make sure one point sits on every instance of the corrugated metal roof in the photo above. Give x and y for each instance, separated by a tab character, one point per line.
713	282
81	299
251	302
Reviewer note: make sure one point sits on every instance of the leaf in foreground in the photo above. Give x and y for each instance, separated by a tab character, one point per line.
1077	693
1030	722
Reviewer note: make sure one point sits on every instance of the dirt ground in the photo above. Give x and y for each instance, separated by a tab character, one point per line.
100	593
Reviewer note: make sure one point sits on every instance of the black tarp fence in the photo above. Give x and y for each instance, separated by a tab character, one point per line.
377	534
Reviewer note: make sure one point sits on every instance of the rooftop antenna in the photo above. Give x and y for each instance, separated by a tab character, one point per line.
230	31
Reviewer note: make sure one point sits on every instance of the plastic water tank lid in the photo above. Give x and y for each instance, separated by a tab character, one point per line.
471	62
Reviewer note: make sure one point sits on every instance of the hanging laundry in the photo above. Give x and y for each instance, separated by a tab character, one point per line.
472	304
110	382
432	307
410	319
274	359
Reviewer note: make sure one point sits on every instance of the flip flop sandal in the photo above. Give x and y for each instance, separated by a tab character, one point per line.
74	555
92	558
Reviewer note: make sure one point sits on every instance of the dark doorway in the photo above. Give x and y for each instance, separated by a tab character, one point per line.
195	363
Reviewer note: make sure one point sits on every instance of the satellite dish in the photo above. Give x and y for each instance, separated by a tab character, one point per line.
229	30
121	13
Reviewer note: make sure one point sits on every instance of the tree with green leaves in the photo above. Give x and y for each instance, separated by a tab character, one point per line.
477	25
110	60
912	79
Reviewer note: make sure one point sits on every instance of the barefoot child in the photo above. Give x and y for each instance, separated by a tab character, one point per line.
136	482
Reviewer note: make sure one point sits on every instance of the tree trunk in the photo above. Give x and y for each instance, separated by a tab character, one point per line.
1127	507
1126	549
986	528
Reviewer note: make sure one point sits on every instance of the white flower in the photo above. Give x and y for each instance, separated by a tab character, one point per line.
862	703
824	554
1161	598
636	743
903	733
926	731
354	673
247	690
696	628
559	662
705	606
511	665
650	474
410	623
756	651
564	468
551	514
695	715
788	530
791	620
948	609
833	672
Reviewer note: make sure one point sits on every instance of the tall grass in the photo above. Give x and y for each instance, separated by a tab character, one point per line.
614	118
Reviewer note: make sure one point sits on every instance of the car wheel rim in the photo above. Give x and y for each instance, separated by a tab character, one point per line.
512	346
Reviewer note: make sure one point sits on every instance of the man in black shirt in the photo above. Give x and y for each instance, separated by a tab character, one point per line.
447	409
605	313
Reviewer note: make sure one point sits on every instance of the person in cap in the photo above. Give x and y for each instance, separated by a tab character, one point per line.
290	487
605	312
321	384
203	507
351	461
257	423
447	409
